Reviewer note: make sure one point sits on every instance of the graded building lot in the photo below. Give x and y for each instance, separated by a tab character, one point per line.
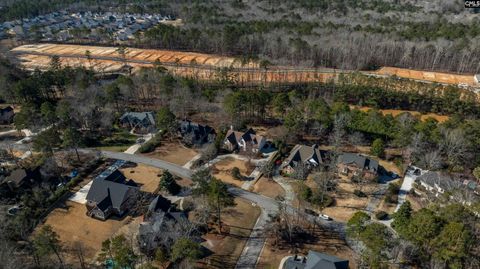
239	222
148	177
173	152
73	225
222	170
268	187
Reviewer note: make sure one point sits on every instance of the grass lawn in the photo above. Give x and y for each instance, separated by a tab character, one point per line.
120	140
239	221
114	148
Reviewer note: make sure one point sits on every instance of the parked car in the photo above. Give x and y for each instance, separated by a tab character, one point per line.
324	217
140	141
12	211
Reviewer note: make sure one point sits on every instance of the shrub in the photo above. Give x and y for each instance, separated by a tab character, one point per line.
381	215
359	193
236	173
152	143
305	192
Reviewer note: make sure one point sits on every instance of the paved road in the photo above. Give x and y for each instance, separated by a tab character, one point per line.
254	245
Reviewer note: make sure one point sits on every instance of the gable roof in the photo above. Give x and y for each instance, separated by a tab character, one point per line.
114	193
17	176
145	117
316	260
6	109
302	153
235	137
360	161
198	130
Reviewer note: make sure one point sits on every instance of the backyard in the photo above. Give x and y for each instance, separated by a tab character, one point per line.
238	222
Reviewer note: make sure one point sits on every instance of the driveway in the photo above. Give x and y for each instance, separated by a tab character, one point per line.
407	185
81	195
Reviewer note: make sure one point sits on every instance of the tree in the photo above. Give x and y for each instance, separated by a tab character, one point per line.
166	121
236	173
268	169
55	63
46	141
46	242
402	218
476	172
219	197
378	148
72	139
280	103
118	250
161	257
423	227
294	121
168	183
356	224
452	245
186	248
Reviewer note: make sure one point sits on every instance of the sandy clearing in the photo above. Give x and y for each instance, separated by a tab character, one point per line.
173	152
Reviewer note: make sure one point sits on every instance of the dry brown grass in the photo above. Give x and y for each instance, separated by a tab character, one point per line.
146	176
268	187
427	75
73	225
173	152
239	222
327	242
223	170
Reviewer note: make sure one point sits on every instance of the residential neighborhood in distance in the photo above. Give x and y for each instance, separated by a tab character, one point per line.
239	134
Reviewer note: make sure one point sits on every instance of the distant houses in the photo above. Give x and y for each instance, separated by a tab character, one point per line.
139	122
353	165
247	141
111	194
307	156
315	260
194	134
6	115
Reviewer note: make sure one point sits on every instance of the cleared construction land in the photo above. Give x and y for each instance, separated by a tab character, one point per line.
205	66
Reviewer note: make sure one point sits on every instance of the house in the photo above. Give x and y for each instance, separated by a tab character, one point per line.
353	164
196	134
244	141
141	122
154	230
17	178
315	260
309	156
110	194
6	115
437	182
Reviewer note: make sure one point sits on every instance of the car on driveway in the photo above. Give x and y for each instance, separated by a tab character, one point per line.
324	217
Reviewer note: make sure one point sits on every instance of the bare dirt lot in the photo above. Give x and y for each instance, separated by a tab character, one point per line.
268	187
73	225
223	170
239	222
396	112
173	152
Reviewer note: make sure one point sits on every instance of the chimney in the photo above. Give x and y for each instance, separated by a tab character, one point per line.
231	127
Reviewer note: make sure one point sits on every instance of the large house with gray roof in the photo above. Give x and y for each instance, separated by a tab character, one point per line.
315	260
354	165
308	156
110	194
140	122
247	141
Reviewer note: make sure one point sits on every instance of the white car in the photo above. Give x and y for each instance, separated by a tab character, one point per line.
325	217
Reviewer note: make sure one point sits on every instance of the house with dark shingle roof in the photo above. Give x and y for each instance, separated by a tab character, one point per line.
141	122
309	156
110	194
244	141
196	134
353	164
315	260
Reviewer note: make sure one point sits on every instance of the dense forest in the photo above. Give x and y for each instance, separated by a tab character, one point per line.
431	35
